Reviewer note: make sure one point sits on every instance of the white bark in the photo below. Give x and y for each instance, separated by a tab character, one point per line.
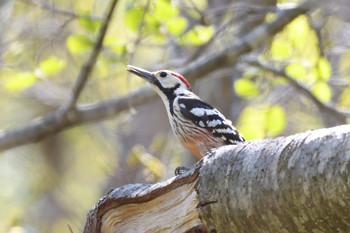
299	183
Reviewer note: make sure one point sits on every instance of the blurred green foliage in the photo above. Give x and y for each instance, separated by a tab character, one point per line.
20	81
264	121
79	43
52	183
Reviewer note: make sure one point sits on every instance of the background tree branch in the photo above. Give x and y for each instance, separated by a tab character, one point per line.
287	184
67	115
56	122
89	65
59	120
328	109
55	10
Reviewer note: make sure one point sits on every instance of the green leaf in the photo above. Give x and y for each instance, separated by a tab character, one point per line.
322	91
21	81
79	43
164	10
246	88
89	24
270	17
152	25
251	123
261	121
312	76
116	44
152	163
324	68
296	70
198	35
176	25
119	48
133	17
281	49
51	65
298	31
251	72
275	120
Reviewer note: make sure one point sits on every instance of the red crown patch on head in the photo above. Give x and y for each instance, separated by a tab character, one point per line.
182	78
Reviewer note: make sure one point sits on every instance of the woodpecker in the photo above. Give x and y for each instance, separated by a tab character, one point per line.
198	126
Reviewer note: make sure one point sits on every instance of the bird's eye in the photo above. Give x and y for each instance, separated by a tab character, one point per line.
163	74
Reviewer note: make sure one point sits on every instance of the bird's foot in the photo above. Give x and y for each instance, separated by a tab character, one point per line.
182	169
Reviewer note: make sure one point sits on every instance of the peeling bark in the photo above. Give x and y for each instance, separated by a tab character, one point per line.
299	183
148	207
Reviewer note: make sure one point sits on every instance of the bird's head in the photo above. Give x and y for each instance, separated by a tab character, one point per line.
163	81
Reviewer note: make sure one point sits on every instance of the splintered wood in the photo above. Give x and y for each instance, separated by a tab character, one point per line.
173	211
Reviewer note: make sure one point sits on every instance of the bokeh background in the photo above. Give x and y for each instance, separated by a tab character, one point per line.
48	185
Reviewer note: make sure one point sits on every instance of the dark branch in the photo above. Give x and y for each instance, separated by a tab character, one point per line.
139	32
57	121
246	44
318	26
89	65
302	89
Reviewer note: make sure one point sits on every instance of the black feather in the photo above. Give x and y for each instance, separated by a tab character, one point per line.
202	121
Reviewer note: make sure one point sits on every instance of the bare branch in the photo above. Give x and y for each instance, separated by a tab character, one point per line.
139	32
89	65
328	107
51	39
65	116
246	44
61	120
318	26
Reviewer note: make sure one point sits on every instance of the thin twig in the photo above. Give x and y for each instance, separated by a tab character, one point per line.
51	40
202	49
196	9
139	32
246	44
234	7
137	42
300	87
89	65
55	10
70	228
318	29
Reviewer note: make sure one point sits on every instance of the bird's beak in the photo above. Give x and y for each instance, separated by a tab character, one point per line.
148	76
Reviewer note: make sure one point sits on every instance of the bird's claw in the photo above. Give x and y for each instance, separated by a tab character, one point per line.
181	170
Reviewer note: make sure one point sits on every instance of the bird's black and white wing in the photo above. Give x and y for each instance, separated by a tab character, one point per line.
205	116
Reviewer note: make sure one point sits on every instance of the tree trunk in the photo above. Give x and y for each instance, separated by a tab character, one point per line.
299	183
